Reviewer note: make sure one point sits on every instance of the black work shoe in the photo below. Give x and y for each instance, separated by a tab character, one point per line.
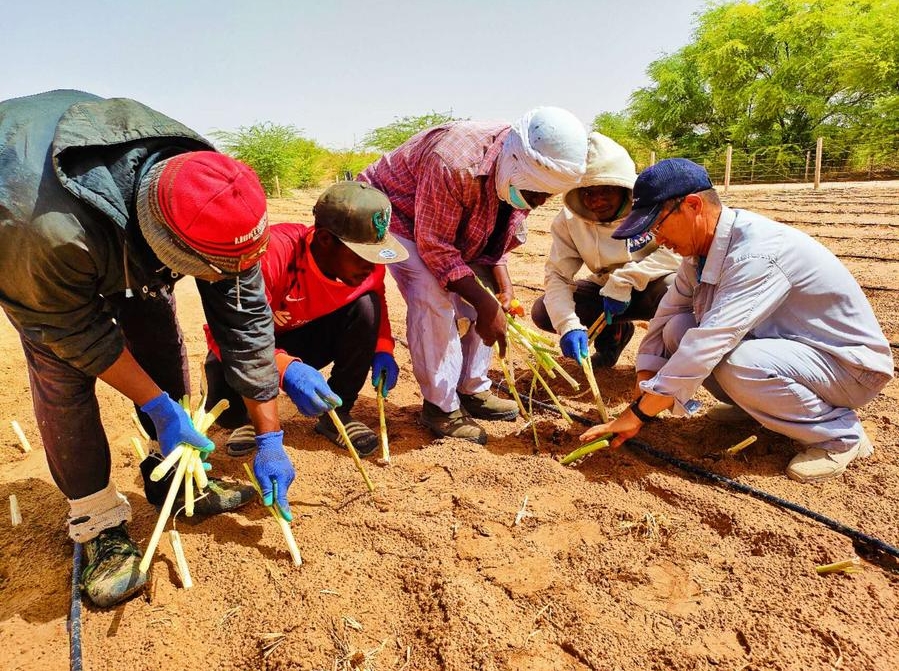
487	405
364	440
611	343
111	570
220	496
241	442
455	424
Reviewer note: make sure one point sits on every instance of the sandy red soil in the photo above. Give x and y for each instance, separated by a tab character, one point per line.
622	563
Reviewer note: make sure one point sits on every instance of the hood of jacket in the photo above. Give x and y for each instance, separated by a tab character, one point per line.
608	164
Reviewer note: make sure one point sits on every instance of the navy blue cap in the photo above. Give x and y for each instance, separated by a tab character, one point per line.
667	179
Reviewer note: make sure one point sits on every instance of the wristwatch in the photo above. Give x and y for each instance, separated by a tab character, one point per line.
642	416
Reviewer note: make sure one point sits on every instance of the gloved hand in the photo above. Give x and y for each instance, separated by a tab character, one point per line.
384	364
612	307
273	471
173	426
574	345
308	390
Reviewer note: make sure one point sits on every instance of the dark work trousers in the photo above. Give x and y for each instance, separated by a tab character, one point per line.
65	401
346	337
588	307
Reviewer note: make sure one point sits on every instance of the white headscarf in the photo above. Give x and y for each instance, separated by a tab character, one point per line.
546	151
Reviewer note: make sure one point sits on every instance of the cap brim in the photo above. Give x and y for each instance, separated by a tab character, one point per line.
389	250
637	222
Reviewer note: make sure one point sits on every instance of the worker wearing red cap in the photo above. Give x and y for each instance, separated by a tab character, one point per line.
104	204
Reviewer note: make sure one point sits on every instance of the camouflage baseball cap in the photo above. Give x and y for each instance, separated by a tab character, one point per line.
359	215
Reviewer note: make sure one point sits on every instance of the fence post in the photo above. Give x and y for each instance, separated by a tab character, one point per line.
808	160
277	187
752	170
652	158
727	163
818	151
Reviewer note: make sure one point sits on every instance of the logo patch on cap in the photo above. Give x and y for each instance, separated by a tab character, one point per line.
381	219
387	254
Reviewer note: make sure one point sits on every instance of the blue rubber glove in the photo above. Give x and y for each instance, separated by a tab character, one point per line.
612	307
308	390
384	364
574	345
173	426
273	471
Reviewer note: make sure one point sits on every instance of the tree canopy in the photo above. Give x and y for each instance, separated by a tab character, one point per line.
391	136
772	73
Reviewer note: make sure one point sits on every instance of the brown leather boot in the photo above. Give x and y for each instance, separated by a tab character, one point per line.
455	424
487	405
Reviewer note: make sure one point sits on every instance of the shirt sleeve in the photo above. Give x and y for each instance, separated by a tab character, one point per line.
385	342
561	266
747	293
637	274
241	323
439	211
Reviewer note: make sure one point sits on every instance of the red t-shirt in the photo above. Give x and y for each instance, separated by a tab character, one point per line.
297	289
295	285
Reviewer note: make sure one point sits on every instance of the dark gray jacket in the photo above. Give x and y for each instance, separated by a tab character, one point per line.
70	165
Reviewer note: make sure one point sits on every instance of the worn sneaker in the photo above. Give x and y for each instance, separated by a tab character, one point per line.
611	343
111	570
242	441
455	424
815	464
364	439
487	405
220	496
725	413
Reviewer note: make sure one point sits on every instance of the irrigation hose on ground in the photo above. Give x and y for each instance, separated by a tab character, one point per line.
864	544
75	612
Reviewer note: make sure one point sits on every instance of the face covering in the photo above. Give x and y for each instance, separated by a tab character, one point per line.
517	200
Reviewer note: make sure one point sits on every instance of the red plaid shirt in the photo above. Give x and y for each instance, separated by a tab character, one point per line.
442	186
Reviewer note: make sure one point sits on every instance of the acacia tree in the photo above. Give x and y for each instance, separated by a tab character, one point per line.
391	136
775	72
275	150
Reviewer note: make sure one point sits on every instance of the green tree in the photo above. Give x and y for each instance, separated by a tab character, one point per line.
275	150
775	72
391	136
621	127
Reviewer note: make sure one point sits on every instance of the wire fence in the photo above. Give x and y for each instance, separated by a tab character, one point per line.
791	163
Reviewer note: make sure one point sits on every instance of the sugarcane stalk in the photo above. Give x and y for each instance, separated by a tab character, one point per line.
23	440
163	466
549	391
594	388
596	327
180	560
743	444
15	515
510	382
282	523
341	429
186	456
584	450
138	448
382	423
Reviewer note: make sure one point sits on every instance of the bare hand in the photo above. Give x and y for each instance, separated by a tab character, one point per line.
491	325
623	427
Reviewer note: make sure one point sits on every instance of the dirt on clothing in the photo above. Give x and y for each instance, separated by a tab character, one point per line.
624	562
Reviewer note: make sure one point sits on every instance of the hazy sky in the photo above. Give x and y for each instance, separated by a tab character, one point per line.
338	68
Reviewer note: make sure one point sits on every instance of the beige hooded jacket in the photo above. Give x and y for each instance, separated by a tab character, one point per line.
580	240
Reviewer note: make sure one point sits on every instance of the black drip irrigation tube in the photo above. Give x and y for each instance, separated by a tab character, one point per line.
870	547
75	612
